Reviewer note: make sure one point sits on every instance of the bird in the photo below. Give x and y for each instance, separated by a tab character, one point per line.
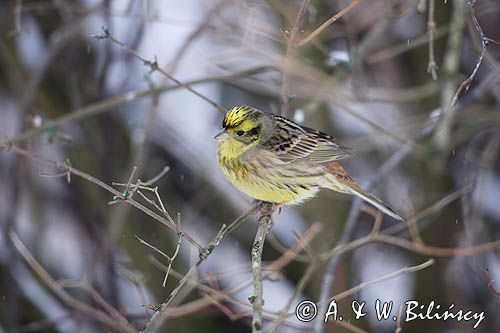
273	159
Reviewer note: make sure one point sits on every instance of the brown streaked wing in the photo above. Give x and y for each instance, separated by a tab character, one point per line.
293	142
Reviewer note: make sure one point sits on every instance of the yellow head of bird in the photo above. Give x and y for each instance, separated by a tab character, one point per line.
242	123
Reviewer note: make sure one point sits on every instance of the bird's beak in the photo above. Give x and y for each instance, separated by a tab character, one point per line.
222	136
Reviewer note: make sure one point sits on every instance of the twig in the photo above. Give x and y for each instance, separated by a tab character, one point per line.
176	252
96	297
291	253
393	229
485	41
62	166
451	65
436	251
161	313
137	279
154	248
256	299
398	321
139	156
215	296
390	276
285	85
328	22
131	189
431	209
491	283
378	222
431	31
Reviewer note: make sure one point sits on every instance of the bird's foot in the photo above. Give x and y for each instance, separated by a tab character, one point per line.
268	208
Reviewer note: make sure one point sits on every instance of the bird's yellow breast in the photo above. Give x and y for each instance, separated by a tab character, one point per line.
260	181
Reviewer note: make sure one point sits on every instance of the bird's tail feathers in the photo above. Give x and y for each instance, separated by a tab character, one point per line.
375	202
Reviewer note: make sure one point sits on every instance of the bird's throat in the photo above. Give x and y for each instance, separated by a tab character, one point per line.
231	149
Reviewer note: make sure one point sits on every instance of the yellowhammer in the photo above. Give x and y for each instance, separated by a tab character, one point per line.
273	159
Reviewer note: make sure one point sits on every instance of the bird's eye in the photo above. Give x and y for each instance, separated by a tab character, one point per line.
240	133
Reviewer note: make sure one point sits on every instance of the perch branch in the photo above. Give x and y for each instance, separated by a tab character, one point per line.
257	248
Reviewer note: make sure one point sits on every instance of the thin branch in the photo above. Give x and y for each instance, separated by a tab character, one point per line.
390	276
398	321
96	297
451	64
154	248
328	22
491	284
137	279
176	252
161	313
291	253
485	41
450	67
62	166
361	286
431	31
215	296
257	248
436	251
